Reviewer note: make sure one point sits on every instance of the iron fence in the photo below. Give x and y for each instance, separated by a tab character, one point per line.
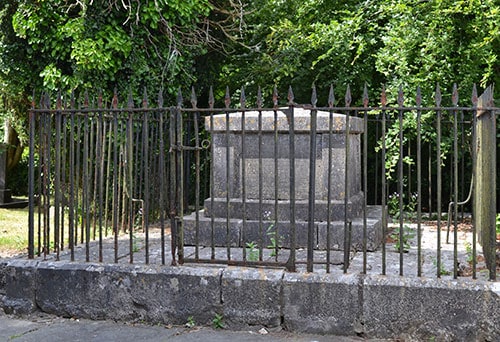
361	189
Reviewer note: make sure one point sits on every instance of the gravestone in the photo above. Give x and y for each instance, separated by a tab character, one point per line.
5	196
251	172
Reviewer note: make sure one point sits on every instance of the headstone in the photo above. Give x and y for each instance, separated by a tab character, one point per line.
254	170
4	193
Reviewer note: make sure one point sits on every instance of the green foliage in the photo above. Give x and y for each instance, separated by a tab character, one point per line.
498	224
276	241
396	43
442	269
408	234
252	251
217	322
191	323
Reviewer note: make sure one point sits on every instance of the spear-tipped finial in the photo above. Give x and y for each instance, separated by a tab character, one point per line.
365	96
194	100
130	100
383	97
259	98
418	99
437	96
114	102
331	97
401	98
275	97
227	98
474	97
454	95
59	100
160	99
314	96
145	98
86	99
290	97
72	99
180	99
211	100
99	99
243	99
348	97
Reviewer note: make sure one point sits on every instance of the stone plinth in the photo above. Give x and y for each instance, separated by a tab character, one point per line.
239	164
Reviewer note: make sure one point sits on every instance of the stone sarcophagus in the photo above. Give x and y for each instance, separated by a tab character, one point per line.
250	194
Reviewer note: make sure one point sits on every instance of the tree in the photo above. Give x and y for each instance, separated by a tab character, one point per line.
396	43
123	45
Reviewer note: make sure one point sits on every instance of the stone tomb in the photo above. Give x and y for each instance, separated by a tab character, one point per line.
261	188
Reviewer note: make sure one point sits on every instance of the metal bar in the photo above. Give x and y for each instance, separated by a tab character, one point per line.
290	265
261	185
384	185
243	187
173	185
401	194
196	118
419	186
228	185
31	183
180	174
347	192
147	174
57	185
455	195
438	181
365	184
85	193
312	192
276	188
116	168
71	213
162	179
129	184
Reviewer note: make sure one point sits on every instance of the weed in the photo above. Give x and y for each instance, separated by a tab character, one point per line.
135	245
252	251
190	322
442	270
468	250
217	322
408	234
409	205
275	240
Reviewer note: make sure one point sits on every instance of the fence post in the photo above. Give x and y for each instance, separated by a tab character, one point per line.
485	182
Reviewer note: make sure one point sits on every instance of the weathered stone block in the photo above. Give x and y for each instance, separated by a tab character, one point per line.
19	278
424	309
131	293
325	304
251	296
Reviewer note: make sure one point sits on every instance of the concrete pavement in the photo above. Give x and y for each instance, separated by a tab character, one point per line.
41	327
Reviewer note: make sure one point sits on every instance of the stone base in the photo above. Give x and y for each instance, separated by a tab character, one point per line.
261	232
5	196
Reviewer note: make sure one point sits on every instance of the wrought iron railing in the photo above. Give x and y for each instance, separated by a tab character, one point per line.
174	185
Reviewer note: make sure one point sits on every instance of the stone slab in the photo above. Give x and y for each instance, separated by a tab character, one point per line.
426	309
251	296
266	209
268	122
327	304
262	232
405	308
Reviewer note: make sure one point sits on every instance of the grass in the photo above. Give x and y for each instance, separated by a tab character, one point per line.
13	231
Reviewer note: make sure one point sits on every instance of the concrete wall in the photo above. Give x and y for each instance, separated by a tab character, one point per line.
372	305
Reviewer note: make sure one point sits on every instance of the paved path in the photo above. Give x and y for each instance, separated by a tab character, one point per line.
42	327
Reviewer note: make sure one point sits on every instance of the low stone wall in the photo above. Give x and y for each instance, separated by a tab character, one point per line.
351	304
